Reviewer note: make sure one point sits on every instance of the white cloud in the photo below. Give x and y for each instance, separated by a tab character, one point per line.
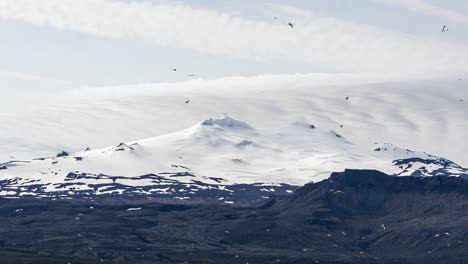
421	6
30	77
315	40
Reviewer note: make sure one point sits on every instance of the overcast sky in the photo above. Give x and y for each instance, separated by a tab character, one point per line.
50	45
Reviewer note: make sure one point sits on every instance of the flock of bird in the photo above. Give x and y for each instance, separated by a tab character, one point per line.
444	29
194	75
347	98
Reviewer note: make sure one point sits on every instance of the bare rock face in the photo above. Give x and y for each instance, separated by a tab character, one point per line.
62	154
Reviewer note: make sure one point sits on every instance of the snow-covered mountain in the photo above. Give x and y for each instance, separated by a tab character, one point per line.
422	115
223	155
281	132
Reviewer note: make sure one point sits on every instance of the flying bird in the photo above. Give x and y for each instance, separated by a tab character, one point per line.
276	18
188	101
291	25
174	69
347	98
341	126
444	28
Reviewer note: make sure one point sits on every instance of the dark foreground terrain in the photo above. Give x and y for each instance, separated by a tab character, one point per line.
353	217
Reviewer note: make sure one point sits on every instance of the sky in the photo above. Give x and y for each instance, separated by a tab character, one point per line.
55	45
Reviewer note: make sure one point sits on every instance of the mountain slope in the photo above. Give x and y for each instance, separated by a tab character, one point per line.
367	212
225	156
352	217
410	114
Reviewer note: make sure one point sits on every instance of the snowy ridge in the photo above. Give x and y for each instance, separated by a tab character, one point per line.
223	155
420	164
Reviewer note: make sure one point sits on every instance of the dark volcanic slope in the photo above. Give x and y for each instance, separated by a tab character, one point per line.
353	217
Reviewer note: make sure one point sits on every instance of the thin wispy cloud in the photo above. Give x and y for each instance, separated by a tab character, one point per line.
316	39
37	78
423	7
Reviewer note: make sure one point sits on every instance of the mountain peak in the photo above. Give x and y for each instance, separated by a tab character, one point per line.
226	122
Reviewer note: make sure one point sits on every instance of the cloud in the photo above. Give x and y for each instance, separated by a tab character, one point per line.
316	39
30	77
421	6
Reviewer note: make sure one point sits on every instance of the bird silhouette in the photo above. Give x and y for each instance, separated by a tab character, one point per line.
347	98
174	69
188	101
341	126
444	28
291	25
276	18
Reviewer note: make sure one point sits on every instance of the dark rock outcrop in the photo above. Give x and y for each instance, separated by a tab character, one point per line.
62	154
